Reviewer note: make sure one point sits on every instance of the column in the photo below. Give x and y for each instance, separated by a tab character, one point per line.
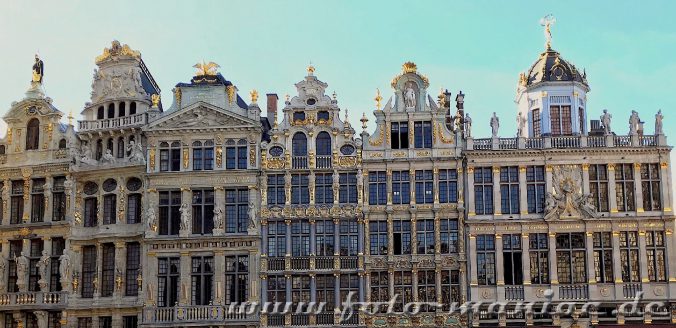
643	258
497	208
390	235
313	237
184	295
76	258
254	266
525	258
264	237
336	289
7	186
49	183
435	183
219	279
411	179
499	268
414	282
264	288
362	287
414	234
470	192
389	186
638	187
585	178
473	280
612	200
336	244
591	272
150	273
617	265
287	256
523	191
4	257
665	185
553	273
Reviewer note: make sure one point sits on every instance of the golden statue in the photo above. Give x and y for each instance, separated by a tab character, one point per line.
206	69
547	23
38	70
378	98
155	98
254	96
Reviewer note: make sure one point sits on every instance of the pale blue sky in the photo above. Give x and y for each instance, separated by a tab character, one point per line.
479	47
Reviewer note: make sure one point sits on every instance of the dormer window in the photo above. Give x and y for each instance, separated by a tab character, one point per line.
311	101
299	116
323	116
33	134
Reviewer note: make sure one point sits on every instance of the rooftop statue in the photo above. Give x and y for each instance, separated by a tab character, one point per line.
658	123
38	70
605	119
495	125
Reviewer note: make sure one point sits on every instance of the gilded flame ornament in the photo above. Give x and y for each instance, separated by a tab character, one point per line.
206	69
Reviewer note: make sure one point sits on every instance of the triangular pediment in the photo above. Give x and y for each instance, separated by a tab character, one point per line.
201	115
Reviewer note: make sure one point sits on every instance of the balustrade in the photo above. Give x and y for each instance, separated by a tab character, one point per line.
196	313
574	292
118	122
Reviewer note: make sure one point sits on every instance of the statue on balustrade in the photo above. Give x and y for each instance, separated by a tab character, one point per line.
43	268
495	125
3	266
605	119
468	126
521	125
634	122
22	264
658	123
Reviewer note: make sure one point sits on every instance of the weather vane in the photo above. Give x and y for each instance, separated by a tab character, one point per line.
547	22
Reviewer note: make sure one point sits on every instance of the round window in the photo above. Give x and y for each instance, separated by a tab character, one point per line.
311	101
347	150
134	184
109	185
276	151
91	188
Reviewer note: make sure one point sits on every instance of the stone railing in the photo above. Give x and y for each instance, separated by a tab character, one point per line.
313	263
629	290
196	314
324	162
299	162
113	123
514	293
574	292
566	142
33	298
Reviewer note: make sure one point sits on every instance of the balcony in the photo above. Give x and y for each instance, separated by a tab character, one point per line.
514	293
299	162
566	142
324	162
630	290
196	314
574	292
113	123
36	299
305	263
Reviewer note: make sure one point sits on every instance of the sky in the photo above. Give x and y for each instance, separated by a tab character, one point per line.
356	46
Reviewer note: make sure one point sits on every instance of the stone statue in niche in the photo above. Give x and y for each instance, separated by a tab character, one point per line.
218	219
22	264
409	95
136	152
186	217
252	215
605	119
658	123
634	122
151	217
495	125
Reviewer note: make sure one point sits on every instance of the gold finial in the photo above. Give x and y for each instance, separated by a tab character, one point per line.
70	118
378	98
206	69
547	23
254	96
155	98
441	98
363	120
310	70
523	79
409	67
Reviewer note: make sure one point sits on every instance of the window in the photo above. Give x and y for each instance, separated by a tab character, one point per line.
509	189
2	207
58	245
134	206
603	257
132	108
300	238
99	150
449	236
402	237
580	117
403	286
15	248
399	135
111	110
108	270
483	190
537	123
203	211
90	212
561	120
401	189
202	275
326	291
322	115
132	270
450	288
236	279
236	156
299	144
324	240
88	271
105	322
170	216
99	113
629	256
63	144
348	188
424	187
277	289
170	156
656	249
422	133
85	322
58	199
236	210
349	284
109	208
168	276
38	200
512	259
377	188
54	320
33	134
378	237
425	236
300	193
485	258
448	186
624	187
120	147
650	183
324	188
426	289
598	186
203	155
122	110
300	292
323	144
130	321
37	245
299	116
276	195
348	238
535	187
380	282
570	258
276	239
16	197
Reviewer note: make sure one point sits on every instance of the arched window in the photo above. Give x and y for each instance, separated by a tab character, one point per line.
122	110
62	144
109	145
134	205
323	144
120	147
99	114
111	110
99	149
299	144
109	202
33	134
2	149
90	189
132	108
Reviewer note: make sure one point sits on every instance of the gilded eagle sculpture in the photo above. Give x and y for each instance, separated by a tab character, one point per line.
206	69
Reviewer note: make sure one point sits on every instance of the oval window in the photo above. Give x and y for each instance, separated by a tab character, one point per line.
134	184
347	150
109	185
311	101
90	188
276	151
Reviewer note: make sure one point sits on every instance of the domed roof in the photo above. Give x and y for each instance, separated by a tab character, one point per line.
550	67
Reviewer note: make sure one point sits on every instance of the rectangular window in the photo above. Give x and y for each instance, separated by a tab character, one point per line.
168	277
236	210
401	188
448	186
402	237
580	117
58	200
105	322
537	123
555	115
512	259
58	245
348	188
629	256
236	279
170	216
449	236
483	190
598	186
90	212
323	188
88	271
422	133
300	292
54	320
130	321
624	187
378	237
650	183
85	322
380	282
603	257
571	258
276	239
37	245
403	287
349	284
133	267
450	288
535	187
241	157
300	193
38	200
427	289
109	209
539	258
485	257
324	240
277	289
326	292
561	120
348	238
16	197
236	157
203	211
424	187
164	160
203	155
425	236
170	157
399	135
300	238
509	189
276	195
377	188
107	270
15	248
202	276
566	120
134	208
657	256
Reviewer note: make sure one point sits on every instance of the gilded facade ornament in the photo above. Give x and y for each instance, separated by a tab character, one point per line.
9	136
186	158
219	156
254	96
378	99
115	50
151	155
206	69
252	155
155	99
177	96
230	90
439	132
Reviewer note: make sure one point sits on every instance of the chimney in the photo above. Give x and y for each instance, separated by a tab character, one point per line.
272	107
